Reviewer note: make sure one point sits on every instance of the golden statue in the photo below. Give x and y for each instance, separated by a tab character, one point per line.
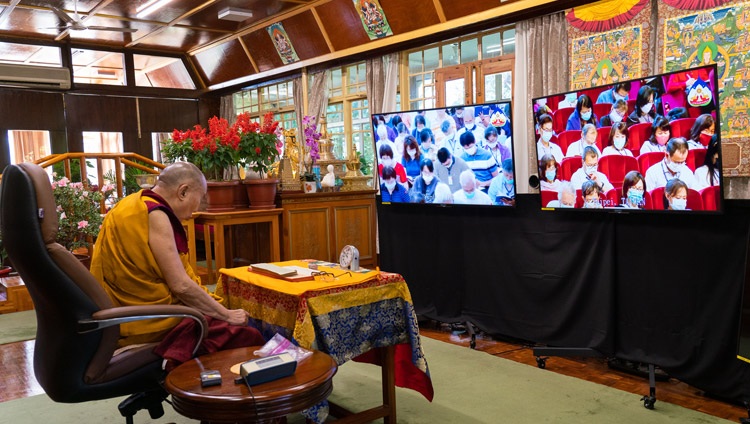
288	166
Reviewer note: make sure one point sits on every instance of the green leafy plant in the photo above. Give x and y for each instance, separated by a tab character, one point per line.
78	214
259	146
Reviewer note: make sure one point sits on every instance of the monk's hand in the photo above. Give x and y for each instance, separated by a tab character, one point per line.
237	317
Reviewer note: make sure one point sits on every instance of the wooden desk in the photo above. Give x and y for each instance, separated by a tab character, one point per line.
232	403
218	221
368	317
17	296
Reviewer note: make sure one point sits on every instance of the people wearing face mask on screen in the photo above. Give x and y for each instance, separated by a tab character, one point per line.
479	160
591	193
709	174
584	114
469	193
661	131
644	107
386	159
449	168
544	146
548	173
498	151
617	114
502	190
633	189
675	195
673	166
618	141
390	190
619	91
588	139
566	196
590	171
701	132
423	190
411	159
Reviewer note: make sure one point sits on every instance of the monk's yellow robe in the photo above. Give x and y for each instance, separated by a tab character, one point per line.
125	266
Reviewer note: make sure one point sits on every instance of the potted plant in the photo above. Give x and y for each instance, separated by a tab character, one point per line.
259	148
215	151
78	214
312	153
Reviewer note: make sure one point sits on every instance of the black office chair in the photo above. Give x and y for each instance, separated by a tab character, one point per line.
77	325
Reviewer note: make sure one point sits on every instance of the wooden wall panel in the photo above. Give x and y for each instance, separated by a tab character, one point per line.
100	113
263	50
353	226
405	16
308	236
164	115
31	110
223	63
306	37
455	10
342	24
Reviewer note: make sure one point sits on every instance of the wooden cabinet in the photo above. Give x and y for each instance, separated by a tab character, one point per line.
319	225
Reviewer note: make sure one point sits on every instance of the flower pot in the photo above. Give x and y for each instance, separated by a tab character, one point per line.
220	196
310	186
262	193
5	270
241	200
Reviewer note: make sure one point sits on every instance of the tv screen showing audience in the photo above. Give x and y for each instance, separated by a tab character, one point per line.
650	144
460	155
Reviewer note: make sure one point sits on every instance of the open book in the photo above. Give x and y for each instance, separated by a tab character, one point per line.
289	273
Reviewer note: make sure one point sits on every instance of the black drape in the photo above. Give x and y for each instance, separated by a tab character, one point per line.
656	288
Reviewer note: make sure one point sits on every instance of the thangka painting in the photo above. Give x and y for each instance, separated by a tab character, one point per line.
283	44
716	36
605	58
373	18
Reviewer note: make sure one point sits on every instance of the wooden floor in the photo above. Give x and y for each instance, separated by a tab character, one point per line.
16	367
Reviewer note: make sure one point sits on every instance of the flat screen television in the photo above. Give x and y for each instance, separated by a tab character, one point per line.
648	144
461	155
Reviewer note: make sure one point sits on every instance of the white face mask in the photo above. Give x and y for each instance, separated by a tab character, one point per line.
492	144
675	167
546	136
427	178
615	117
390	185
471	151
619	142
679	204
590	170
412	153
386	162
592	204
647	107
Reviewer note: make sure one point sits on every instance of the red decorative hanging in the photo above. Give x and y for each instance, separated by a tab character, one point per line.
695	4
605	15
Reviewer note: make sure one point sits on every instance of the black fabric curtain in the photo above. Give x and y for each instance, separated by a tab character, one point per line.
653	288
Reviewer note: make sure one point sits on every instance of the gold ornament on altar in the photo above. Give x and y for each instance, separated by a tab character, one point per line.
354	180
288	166
327	156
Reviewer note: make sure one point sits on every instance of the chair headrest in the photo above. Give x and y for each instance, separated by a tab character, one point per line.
45	200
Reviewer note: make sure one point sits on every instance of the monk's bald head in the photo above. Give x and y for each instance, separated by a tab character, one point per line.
181	173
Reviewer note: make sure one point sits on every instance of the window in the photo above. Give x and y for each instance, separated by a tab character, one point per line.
98	67
160	71
29	54
28	146
102	142
422	64
277	98
348	113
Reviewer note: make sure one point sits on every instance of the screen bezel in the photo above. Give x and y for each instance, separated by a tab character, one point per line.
376	173
715	92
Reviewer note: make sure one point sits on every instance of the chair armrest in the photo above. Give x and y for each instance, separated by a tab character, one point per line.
124	314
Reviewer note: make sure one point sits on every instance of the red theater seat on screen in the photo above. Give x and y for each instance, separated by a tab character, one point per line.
657	199
579	199
646	160
637	135
616	166
647	201
569	166
681	127
612	198
631	104
601	109
566	138
602	137
548	196
695	158
560	118
710	197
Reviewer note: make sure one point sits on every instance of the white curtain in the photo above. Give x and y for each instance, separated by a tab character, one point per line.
226	108
390	65
541	68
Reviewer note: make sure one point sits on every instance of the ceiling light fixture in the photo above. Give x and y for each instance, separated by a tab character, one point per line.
235	14
150	7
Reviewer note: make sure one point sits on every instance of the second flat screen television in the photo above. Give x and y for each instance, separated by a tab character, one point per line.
461	155
650	144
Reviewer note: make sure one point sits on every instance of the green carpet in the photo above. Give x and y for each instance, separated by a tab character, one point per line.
17	326
470	387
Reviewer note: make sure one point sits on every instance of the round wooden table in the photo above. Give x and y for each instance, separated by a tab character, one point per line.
232	403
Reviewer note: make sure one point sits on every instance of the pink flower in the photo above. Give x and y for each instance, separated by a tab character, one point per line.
82	224
63	216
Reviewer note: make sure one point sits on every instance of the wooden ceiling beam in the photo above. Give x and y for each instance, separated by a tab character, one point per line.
249	55
439	10
322	29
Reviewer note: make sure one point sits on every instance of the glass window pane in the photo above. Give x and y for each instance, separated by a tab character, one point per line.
450	54
415	62
415	87
454	92
469	51
509	41
98	67
491	46
507	91
492	84
160	71
431	59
